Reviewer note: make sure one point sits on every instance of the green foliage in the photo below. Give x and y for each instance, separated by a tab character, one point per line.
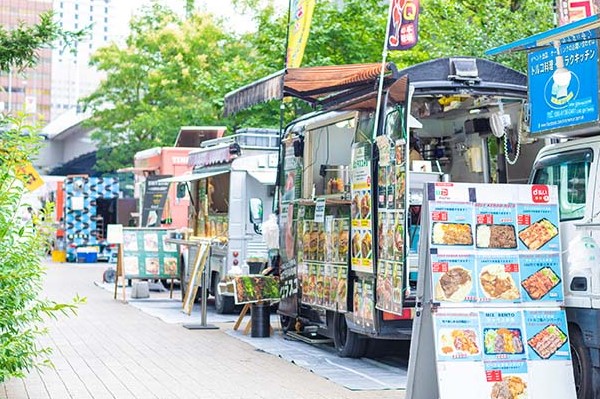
19	46
23	243
175	73
172	73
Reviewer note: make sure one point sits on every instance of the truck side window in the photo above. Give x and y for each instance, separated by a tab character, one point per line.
570	172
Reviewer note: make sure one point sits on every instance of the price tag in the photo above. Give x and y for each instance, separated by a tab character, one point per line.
320	210
524	220
439	216
439	267
493	375
485	219
511	268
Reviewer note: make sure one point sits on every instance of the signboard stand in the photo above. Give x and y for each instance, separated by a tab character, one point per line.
198	278
484	326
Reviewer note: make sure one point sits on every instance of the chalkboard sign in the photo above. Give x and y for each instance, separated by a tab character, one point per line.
146	254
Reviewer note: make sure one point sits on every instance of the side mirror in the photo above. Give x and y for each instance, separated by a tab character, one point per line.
181	189
256	211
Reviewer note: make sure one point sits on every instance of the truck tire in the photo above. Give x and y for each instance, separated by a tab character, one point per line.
582	365
287	323
347	343
223	304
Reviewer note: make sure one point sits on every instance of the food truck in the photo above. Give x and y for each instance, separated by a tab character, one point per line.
227	172
163	162
351	178
563	81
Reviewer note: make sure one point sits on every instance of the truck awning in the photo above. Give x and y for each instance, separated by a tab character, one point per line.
311	84
195	176
548	37
264	176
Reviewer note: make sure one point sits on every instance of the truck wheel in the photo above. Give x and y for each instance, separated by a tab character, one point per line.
582	365
224	304
347	343
287	323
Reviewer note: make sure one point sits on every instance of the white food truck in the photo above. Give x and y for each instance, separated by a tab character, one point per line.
227	172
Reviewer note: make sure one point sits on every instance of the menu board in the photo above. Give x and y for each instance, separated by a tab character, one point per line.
146	254
492	290
361	215
323	252
255	288
363	304
292	169
391	204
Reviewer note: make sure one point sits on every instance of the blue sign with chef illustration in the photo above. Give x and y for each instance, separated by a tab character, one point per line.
563	84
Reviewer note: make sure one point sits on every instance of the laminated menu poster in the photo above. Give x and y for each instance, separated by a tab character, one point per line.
541	278
506	380
457	336
498	278
547	337
389	286
363	302
503	335
146	254
537	226
495	226
451	225
361	213
454	278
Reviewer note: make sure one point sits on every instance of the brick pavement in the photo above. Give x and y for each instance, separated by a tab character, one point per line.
112	350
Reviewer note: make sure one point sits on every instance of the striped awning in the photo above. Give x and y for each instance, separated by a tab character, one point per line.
322	85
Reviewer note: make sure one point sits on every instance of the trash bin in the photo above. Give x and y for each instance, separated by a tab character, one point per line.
260	318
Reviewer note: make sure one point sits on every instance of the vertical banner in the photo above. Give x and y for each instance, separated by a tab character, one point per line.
155	196
301	12
403	24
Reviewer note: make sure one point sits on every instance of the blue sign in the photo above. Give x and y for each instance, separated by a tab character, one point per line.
563	88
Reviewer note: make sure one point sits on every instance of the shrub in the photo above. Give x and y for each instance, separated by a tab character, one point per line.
23	245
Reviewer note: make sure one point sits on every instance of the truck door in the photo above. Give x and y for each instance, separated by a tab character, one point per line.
570	171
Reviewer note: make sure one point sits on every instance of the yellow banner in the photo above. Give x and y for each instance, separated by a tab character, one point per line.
29	176
301	12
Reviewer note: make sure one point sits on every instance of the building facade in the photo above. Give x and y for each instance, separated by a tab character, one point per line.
28	90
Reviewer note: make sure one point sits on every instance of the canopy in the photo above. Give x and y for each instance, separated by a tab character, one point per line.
323	85
195	176
548	37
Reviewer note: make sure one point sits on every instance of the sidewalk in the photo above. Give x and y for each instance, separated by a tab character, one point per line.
114	350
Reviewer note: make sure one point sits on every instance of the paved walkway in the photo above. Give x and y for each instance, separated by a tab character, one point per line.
113	350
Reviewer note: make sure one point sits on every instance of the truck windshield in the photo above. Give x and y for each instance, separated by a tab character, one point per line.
570	172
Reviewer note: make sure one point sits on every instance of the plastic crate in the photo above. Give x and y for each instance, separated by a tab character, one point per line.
87	257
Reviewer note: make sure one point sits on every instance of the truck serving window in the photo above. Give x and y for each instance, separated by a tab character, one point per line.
570	172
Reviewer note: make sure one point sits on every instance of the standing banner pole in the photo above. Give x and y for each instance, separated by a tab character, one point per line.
381	76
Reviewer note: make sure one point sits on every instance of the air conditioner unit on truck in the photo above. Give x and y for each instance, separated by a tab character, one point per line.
349	199
563	101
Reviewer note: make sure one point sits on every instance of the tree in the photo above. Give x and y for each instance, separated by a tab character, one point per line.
353	31
23	242
171	73
19	46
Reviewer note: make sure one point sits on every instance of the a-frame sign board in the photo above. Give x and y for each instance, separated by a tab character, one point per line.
483	328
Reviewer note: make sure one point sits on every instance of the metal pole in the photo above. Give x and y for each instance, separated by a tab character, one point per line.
203	298
380	88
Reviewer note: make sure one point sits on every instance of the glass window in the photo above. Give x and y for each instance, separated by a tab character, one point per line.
570	173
